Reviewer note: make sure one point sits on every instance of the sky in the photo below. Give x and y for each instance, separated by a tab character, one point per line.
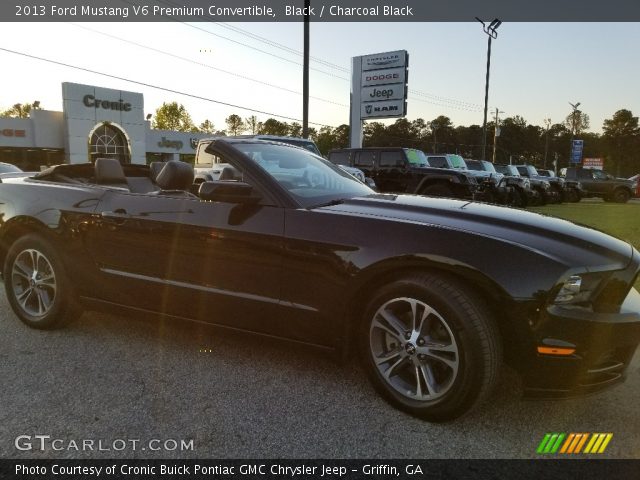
536	68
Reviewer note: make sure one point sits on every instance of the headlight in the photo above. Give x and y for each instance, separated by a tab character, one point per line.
546	185
578	289
526	182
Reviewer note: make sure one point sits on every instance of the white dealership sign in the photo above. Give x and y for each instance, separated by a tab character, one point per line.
378	89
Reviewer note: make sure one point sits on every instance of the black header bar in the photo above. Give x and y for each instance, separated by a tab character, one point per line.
320	10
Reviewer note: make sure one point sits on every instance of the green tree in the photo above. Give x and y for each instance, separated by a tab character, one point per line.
622	139
577	122
207	126
274	127
252	123
235	124
171	116
19	110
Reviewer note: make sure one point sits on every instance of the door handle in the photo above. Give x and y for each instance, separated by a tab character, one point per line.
118	216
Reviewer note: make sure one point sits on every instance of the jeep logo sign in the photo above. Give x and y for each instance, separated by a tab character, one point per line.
384	92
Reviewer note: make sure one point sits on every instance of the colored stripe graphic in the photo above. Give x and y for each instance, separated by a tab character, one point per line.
574	442
550	443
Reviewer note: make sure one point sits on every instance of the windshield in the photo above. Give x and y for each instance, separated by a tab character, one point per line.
416	157
8	168
474	165
488	166
457	161
311	180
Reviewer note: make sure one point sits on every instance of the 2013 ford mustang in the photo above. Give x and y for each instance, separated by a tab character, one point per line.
434	294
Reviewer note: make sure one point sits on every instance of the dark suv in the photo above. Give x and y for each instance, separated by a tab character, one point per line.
596	183
406	170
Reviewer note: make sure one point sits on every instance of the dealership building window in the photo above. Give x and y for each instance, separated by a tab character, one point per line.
95	122
108	141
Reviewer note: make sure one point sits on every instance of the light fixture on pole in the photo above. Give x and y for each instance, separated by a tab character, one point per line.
491	32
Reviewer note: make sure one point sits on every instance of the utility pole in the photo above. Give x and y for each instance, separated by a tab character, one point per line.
496	134
547	122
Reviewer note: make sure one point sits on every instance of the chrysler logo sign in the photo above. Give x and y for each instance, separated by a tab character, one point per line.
385	60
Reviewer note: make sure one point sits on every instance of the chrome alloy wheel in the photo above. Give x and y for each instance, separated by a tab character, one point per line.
414	349
34	282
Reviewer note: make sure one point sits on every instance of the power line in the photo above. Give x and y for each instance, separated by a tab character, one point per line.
163	52
157	87
462	105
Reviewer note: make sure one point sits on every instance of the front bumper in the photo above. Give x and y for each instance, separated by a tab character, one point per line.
604	345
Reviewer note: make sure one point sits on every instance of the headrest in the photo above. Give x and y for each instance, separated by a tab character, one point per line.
108	171
229	173
154	169
175	175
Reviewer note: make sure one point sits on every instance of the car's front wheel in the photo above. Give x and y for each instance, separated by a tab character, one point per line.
36	285
430	346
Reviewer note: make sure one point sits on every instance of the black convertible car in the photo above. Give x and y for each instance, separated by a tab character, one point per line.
433	293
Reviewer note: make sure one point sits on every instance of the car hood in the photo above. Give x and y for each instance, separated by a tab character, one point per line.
559	239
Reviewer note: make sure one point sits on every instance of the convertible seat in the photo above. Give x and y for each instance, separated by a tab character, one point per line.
155	168
109	172
175	179
230	173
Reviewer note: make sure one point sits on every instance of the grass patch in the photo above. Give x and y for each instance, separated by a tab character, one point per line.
619	220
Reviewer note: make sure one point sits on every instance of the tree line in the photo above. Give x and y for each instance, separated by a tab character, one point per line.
517	141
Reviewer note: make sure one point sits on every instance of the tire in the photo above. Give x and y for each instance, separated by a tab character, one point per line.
36	284
438	370
573	195
516	198
621	195
542	199
437	190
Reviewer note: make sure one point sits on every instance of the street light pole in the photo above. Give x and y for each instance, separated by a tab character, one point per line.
491	32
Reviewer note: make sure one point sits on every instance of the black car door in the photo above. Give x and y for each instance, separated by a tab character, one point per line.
212	261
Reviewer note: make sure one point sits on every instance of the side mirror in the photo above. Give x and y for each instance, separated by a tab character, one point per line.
228	191
370	183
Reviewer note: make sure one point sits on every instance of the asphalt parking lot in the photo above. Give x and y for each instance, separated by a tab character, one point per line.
109	377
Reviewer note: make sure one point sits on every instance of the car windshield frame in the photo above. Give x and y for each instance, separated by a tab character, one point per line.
310	180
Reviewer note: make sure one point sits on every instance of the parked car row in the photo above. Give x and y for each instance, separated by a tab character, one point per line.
408	170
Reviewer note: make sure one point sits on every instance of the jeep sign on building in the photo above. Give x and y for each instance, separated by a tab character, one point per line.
378	89
94	122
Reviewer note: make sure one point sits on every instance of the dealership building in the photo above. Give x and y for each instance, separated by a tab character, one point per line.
95	122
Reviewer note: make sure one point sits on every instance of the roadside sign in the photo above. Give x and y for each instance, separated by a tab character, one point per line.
576	151
595	163
378	89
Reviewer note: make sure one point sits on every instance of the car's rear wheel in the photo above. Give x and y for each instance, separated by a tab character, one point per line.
36	285
621	196
430	346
